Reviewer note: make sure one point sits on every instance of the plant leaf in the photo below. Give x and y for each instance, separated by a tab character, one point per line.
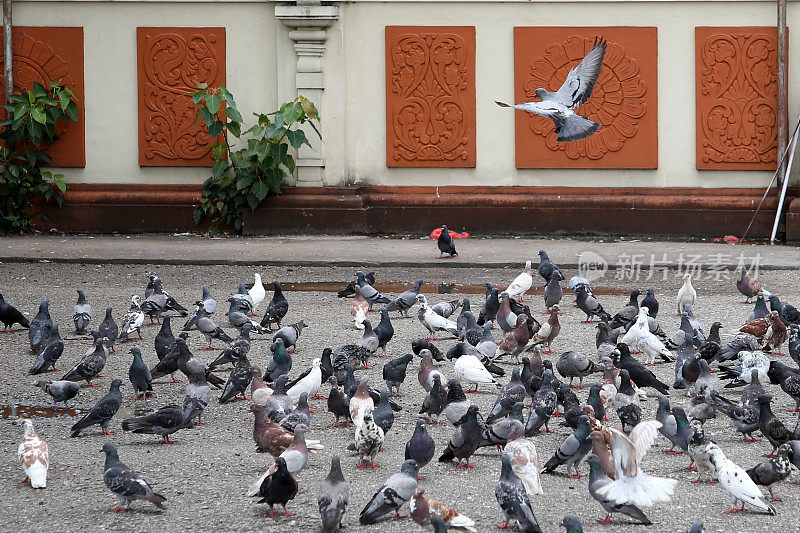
213	102
297	138
260	190
37	113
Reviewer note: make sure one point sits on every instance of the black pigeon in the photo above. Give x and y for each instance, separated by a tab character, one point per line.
446	244
465	439
350	289
770	473
628	314
39	328
278	487
238	381
102	412
163	422
436	399
127	484
394	373
338	403
771	427
49	352
418	345
650	302
140	377
383	415
169	362
332	498
384	330
638	373
108	328
712	347
421	445
547	267
277	308
489	308
788	380
511	495
60	391
165	340
281	362
9	315
326	365
81	314
786	312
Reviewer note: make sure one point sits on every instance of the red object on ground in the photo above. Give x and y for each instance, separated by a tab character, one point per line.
729	239
438	231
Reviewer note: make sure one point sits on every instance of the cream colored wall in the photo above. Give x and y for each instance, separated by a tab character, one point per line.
260	72
494	23
109	32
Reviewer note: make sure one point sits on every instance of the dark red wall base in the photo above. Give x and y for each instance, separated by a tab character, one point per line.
487	210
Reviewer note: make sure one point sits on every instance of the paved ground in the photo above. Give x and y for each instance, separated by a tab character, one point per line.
204	476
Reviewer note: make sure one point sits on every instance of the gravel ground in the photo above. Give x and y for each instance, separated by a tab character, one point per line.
205	474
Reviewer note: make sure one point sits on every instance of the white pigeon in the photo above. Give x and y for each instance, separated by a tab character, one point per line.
639	335
433	321
521	283
309	383
686	294
34	457
257	292
558	106
469	369
737	483
631	485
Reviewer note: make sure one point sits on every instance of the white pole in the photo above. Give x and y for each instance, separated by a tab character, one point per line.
785	184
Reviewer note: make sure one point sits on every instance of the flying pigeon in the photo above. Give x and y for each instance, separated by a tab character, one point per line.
9	315
60	391
34	457
332	498
559	106
128	485
393	494
513	499
81	314
446	244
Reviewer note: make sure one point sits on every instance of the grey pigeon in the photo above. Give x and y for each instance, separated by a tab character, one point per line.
301	414
384	331
208	303
544	405
393	494
588	304
465	439
383	413
210	330
40	325
289	334
369	292
547	267
198	392
237	349
775	470
627	314
597	480
506	318
102	412
276	309
509	394
238	319
745	416
760	310
92	363
81	314
697	527
49	352
369	341
164	422
446	309
552	291
332	498
497	434
435	401
405	300
139	375
281	362
572	449
394	372
572	524
164	340
457	402
60	391
242	299
559	106
108	328
513	499
489	308
421	446
238	381
466	320
127	484
279	401
446	244
576	365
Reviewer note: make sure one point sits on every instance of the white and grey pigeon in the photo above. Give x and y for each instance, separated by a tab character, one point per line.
434	322
81	314
735	481
133	319
559	106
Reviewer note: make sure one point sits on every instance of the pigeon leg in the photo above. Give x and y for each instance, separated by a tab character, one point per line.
271	513
503	526
318	396
606	520
91	384
373	465
24	480
118	510
420	478
691	468
398	515
166	440
286	513
772	497
107	432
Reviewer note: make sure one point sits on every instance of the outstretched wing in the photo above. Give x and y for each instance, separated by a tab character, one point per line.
643	436
625	456
580	81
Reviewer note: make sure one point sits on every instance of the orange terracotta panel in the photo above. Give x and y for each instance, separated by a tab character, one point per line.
171	60
430	96
624	101
737	98
46	54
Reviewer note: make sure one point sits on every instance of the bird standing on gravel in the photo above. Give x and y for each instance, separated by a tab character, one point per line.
734	480
34	457
522	283
127	484
513	500
81	314
102	412
686	294
332	498
393	494
10	315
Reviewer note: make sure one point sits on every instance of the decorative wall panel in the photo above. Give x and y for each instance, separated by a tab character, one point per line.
737	98
430	96
624	101
46	54
171	61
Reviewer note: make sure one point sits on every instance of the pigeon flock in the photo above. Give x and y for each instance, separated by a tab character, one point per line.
474	393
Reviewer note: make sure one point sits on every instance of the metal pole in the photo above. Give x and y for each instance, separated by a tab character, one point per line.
782	197
8	58
783	91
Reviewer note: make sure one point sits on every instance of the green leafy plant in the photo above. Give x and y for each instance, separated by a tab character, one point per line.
33	118
244	175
